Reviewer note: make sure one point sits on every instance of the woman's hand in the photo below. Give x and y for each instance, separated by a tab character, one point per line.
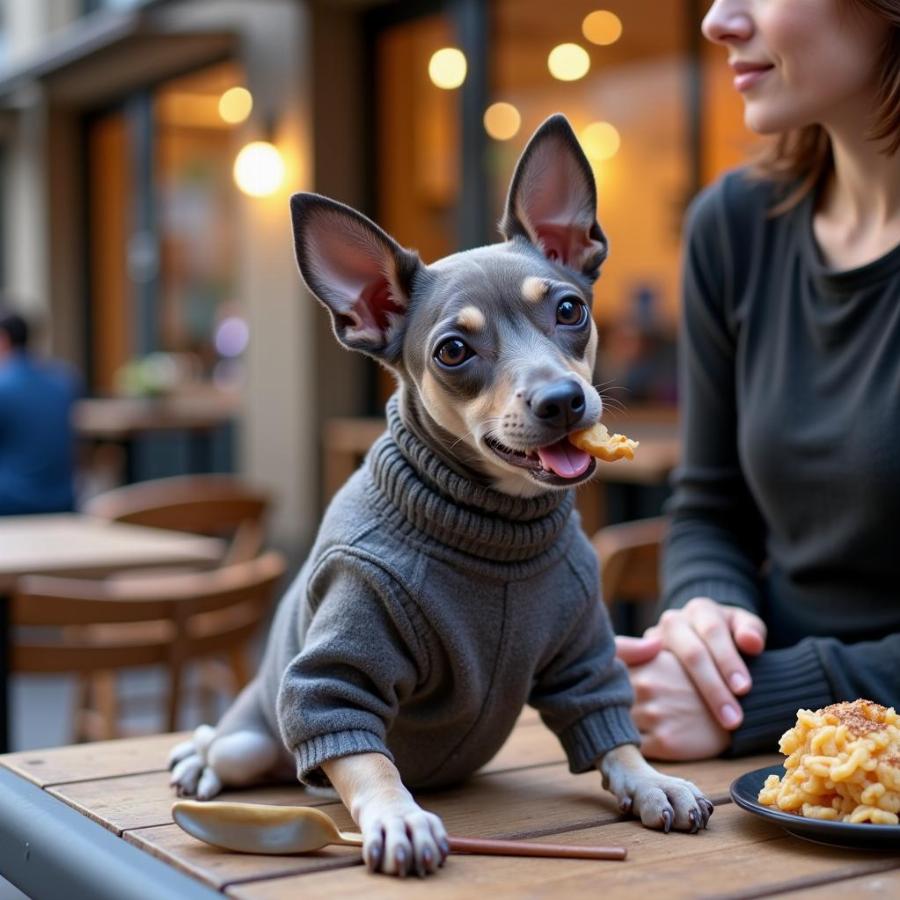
674	722
707	638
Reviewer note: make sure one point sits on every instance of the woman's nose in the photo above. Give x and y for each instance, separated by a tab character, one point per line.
728	21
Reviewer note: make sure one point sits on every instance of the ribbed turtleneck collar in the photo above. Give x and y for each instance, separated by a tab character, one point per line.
450	509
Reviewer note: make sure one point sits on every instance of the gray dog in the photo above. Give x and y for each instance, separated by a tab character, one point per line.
450	583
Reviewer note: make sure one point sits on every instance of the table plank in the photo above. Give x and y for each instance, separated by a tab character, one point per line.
89	762
737	856
882	884
70	543
140	801
219	868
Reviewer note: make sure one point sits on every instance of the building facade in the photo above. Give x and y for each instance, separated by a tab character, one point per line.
124	230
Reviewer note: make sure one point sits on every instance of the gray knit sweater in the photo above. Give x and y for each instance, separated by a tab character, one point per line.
429	612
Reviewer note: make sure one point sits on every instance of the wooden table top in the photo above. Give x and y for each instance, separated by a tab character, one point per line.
118	418
525	792
73	544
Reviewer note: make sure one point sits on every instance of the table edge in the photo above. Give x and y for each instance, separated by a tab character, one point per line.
89	860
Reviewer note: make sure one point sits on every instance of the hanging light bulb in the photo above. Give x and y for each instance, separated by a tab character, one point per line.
600	140
568	62
447	68
259	169
602	27
235	105
502	121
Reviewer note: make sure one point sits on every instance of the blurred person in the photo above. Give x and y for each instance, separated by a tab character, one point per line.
781	573
36	440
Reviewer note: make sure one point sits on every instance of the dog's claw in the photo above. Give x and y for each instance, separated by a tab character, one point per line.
400	857
708	810
694	819
625	805
374	858
667	820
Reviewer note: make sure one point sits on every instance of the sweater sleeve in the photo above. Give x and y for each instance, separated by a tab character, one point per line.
810	675
583	694
360	659
715	545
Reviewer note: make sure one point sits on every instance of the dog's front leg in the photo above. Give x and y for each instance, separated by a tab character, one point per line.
660	801
398	835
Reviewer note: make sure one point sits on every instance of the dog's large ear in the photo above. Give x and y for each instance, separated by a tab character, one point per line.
552	200
360	273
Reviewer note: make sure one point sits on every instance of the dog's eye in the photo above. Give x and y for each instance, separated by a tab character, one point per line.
571	311
452	352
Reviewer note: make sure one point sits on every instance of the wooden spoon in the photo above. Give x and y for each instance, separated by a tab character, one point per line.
260	828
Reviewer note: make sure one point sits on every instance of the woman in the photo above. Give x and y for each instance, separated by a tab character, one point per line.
782	569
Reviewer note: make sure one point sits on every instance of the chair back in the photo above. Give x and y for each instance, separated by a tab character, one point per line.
214	505
169	620
629	555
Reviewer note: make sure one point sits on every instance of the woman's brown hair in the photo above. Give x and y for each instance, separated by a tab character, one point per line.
801	159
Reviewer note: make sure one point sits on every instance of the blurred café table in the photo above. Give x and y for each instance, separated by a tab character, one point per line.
77	545
122	420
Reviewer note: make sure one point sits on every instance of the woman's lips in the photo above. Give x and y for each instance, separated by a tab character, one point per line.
747	76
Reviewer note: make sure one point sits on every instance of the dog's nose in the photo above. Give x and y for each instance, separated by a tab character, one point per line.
560	403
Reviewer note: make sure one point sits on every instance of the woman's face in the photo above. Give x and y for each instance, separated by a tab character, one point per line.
799	62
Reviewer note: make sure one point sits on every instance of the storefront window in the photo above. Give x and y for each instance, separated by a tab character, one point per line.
163	237
196	196
652	105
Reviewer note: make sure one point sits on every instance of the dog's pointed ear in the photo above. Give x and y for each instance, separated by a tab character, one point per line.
552	200
360	273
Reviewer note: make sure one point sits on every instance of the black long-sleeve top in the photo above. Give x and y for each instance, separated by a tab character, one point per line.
787	502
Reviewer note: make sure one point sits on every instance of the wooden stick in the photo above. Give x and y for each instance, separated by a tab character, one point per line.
531	848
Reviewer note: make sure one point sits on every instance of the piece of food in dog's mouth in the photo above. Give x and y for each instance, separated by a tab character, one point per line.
600	443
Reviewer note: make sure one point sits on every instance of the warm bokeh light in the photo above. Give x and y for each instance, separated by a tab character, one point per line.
602	27
502	121
568	62
600	141
259	169
235	105
447	68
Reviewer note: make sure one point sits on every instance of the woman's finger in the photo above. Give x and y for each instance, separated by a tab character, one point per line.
694	655
712	627
637	651
749	631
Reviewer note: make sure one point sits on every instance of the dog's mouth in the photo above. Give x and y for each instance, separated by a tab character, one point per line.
559	463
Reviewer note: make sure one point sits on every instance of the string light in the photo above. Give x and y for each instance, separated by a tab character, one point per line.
600	141
259	169
502	121
568	62
602	27
447	68
235	105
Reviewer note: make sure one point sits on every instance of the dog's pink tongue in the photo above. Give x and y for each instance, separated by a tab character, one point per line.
563	458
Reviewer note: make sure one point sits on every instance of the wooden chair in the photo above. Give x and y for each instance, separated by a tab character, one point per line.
101	627
629	555
215	505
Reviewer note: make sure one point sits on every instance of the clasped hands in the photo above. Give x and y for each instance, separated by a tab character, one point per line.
687	673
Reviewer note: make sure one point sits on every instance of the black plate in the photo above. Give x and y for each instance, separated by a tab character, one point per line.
865	836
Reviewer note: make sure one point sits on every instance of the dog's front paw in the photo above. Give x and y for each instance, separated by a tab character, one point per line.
191	776
400	838
663	802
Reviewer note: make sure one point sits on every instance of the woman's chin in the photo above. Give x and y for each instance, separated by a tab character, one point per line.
763	121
